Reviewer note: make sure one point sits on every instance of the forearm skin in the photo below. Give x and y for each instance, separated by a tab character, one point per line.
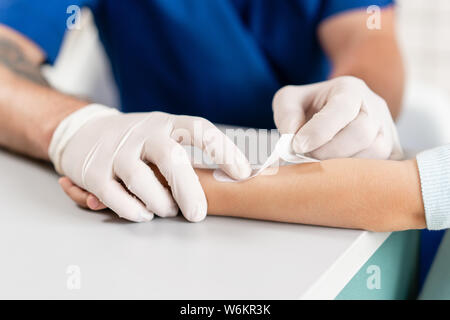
371	55
30	110
379	64
349	193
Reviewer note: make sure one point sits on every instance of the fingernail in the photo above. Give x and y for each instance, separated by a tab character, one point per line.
146	216
301	144
62	181
198	214
93	203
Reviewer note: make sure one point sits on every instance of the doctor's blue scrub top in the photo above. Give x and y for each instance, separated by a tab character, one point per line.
218	59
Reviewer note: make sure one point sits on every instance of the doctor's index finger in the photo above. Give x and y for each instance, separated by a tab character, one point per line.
204	135
340	110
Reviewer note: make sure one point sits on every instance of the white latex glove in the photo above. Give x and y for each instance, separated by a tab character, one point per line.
98	148
339	118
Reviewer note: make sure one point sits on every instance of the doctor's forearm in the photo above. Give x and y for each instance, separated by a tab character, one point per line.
349	193
369	54
29	109
379	64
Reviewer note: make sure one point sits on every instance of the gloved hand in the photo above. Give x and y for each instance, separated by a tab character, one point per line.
339	118
106	153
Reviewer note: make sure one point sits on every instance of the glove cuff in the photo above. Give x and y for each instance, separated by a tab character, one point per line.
70	125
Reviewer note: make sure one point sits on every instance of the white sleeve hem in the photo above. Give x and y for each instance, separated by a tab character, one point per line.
434	169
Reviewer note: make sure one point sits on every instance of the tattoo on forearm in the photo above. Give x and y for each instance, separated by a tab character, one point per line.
14	59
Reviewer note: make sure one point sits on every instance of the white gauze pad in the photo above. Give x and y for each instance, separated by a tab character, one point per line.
282	152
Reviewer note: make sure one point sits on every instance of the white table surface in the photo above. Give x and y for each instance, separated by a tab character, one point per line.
42	233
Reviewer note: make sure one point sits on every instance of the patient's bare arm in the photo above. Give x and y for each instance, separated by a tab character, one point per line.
348	193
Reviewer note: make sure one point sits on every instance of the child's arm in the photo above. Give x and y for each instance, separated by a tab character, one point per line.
348	193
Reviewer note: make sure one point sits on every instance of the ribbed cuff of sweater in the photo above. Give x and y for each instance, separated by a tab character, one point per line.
434	169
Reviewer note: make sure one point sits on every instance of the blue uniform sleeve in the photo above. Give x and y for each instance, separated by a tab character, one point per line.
332	7
43	22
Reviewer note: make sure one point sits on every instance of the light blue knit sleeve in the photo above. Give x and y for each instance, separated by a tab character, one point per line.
434	169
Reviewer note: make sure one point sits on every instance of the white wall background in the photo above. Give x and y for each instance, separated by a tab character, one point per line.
424	33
